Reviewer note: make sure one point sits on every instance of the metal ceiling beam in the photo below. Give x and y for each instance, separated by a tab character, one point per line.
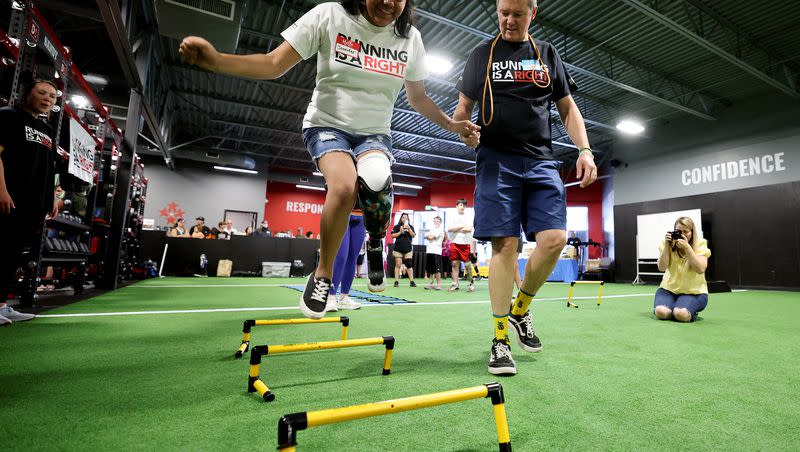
443	20
711	47
288	132
118	34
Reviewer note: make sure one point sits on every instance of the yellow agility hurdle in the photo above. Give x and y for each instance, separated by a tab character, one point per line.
249	324
570	304
254	383
290	424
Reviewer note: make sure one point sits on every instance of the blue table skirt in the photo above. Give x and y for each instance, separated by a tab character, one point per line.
566	270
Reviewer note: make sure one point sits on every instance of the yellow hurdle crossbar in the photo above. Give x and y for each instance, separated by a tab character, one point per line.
254	383
290	424
570	304
249	324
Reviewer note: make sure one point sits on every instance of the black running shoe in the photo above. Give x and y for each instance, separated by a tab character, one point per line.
315	297
500	360
412	284
375	266
526	337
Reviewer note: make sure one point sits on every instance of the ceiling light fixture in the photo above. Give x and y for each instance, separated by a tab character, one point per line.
630	127
79	102
310	187
437	64
399	184
234	170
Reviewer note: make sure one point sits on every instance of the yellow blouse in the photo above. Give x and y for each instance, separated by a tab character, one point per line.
680	278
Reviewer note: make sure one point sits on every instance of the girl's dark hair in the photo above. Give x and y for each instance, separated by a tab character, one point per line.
402	26
400	220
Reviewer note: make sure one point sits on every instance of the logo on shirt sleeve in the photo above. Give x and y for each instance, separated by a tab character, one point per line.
370	58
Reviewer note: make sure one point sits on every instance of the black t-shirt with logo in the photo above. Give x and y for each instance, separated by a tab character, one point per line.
402	244
28	159
521	123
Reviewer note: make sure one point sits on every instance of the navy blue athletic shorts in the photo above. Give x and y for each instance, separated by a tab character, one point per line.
513	191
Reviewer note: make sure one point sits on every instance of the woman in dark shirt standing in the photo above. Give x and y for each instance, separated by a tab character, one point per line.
402	233
27	179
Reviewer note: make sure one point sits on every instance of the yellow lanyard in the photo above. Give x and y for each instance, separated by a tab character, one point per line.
487	84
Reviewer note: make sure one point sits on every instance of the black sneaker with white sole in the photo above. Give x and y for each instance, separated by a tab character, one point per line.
375	266
315	297
500	360
526	337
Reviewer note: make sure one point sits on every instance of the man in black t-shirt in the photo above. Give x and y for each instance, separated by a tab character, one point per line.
27	177
517	182
403	233
199	230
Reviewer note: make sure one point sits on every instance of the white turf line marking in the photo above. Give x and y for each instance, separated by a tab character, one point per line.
293	308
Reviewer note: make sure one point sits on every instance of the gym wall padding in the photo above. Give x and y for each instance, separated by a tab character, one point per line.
753	234
247	253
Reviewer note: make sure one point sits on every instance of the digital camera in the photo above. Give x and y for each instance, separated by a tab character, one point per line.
677	235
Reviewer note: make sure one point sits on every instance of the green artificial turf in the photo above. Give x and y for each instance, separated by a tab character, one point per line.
609	377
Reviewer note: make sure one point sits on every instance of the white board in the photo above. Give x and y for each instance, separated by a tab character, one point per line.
650	230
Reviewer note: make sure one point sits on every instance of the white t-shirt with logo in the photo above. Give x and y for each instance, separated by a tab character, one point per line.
458	220
360	68
434	246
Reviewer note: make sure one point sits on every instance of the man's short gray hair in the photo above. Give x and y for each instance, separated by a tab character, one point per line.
531	3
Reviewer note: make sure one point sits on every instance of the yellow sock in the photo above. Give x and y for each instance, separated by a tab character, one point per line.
521	303
501	327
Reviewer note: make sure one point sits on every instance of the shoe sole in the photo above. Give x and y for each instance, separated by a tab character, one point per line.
502	370
308	312
380	288
349	308
519	341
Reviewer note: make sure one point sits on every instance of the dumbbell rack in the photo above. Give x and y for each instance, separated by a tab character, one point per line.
132	238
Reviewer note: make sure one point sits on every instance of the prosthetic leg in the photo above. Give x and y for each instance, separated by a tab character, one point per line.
375	196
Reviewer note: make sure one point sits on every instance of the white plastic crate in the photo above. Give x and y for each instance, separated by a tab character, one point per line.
275	269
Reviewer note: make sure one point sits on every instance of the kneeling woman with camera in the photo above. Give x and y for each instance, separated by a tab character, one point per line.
683	259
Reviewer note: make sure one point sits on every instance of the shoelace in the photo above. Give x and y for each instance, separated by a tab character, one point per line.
526	320
501	350
321	290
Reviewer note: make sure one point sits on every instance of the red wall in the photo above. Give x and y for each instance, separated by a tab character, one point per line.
592	197
289	207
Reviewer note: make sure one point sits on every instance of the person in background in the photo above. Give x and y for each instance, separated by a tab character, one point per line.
263	230
179	230
248	231
361	254
199	230
229	228
299	234
433	253
220	232
403	233
310	234
347	125
461	230
345	264
683	259
27	182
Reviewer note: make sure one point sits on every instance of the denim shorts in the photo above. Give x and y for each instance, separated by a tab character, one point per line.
694	303
321	140
513	191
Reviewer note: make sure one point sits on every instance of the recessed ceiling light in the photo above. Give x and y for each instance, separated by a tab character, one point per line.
79	102
235	170
310	187
437	64
399	184
630	127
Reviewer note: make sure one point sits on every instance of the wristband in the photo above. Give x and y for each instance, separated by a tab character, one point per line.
582	150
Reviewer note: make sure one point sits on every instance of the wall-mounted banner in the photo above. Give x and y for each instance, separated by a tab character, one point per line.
81	152
304	207
700	171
